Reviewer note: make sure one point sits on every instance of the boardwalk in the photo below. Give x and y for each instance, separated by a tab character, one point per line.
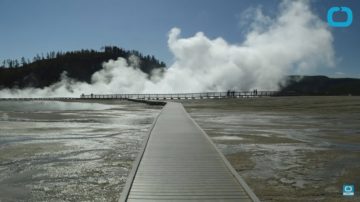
174	96
180	163
180	96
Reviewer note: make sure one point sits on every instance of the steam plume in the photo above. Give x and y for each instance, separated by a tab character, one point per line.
295	41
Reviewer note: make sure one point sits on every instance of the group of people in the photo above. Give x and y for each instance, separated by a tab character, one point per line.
231	93
255	92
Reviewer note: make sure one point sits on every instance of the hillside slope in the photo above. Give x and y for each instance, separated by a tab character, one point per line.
320	85
79	65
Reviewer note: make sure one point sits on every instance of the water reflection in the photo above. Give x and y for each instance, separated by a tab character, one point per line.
69	151
289	152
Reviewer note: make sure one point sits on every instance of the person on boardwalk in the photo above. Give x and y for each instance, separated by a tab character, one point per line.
228	93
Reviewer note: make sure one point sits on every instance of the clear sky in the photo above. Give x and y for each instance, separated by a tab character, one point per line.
39	26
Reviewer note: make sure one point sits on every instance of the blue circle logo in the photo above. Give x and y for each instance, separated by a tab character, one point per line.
333	10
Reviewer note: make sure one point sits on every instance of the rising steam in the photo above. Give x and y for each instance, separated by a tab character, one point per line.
295	41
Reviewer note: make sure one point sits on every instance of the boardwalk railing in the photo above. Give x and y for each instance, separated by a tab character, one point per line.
168	96
207	95
40	98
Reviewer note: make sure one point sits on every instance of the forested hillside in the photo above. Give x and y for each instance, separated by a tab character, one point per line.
45	70
320	85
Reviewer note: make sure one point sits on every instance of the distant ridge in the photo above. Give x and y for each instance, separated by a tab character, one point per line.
80	65
320	85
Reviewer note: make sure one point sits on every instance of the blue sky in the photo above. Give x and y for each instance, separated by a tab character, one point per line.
40	26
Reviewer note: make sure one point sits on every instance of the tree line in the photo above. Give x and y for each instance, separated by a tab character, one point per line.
15	63
44	70
319	85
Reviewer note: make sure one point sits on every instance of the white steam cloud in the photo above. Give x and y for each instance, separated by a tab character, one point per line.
295	41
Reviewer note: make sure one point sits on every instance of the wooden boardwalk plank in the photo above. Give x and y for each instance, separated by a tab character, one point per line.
180	163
